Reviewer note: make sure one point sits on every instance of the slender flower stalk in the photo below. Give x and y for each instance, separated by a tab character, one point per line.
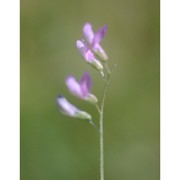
101	125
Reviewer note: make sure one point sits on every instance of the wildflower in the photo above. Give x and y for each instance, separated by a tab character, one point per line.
81	89
88	55
95	39
70	110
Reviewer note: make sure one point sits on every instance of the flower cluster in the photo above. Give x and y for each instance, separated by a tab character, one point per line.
93	54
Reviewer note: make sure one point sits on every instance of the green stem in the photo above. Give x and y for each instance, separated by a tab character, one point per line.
102	129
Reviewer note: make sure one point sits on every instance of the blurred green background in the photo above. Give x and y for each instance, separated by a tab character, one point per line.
56	147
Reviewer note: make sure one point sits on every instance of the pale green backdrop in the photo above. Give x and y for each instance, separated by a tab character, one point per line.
55	147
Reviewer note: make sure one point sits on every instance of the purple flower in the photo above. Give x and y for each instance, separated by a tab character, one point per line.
85	51
95	39
70	110
89	56
81	89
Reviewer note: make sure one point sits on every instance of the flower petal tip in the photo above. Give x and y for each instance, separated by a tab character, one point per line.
73	86
88	32
85	84
79	44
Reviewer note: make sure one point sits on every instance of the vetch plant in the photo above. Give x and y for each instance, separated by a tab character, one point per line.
94	55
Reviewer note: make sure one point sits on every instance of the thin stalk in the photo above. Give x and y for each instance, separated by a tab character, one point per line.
102	129
92	123
107	68
97	107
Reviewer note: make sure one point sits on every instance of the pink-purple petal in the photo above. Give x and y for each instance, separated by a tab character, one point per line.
88	32
73	86
70	110
85	84
66	107
99	35
98	48
85	51
81	47
89	56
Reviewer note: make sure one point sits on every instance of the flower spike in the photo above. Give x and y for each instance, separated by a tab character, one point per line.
81	89
92	52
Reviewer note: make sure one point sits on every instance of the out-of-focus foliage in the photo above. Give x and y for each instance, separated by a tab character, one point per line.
56	147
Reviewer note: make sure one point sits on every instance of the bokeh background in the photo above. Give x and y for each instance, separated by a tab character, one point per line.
54	146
